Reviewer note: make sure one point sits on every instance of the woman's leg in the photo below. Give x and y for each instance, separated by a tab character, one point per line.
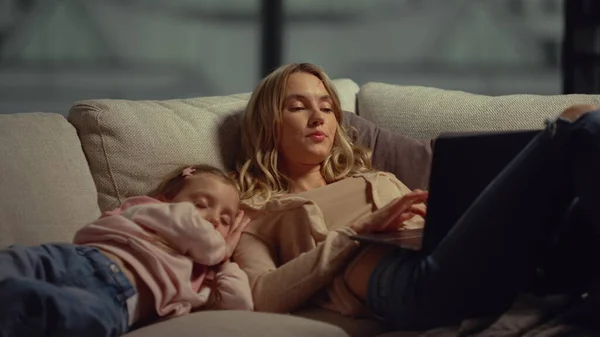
567	267
586	170
490	254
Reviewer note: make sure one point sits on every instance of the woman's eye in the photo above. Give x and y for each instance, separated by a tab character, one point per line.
200	205
327	110
296	108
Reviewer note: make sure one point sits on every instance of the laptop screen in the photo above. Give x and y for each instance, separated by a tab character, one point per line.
463	165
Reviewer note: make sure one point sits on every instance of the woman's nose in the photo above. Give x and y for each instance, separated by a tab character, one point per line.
316	118
316	122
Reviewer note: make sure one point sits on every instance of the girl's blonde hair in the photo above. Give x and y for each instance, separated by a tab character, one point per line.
258	175
175	181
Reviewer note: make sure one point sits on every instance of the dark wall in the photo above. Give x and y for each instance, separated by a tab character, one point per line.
581	47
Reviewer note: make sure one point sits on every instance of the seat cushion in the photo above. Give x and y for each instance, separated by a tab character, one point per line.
355	327
239	323
46	189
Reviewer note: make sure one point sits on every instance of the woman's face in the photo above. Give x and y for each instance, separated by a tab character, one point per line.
308	123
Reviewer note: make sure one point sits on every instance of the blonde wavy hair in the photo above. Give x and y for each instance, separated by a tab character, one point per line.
258	174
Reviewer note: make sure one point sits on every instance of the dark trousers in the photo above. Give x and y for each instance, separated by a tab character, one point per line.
61	290
493	251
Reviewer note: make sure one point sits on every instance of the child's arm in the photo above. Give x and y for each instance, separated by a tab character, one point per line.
182	228
230	289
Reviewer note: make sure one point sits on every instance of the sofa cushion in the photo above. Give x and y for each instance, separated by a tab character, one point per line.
238	323
354	326
421	112
131	145
407	158
47	191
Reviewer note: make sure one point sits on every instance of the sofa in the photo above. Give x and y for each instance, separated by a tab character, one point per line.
59	173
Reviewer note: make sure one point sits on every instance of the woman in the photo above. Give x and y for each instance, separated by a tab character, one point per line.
310	187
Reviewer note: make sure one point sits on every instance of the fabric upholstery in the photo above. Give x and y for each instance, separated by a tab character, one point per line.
239	323
46	189
408	159
131	145
355	327
48	192
423	112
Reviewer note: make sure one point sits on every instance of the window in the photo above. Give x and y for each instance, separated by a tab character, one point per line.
477	46
54	53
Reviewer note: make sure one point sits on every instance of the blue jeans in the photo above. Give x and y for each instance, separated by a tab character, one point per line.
491	253
61	290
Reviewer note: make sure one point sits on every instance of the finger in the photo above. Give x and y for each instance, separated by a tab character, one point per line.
243	224
395	219
417	195
419	209
406	216
411	198
427	198
240	215
398	222
238	219
383	217
405	203
415	200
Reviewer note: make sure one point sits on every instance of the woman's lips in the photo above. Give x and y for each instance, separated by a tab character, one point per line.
317	136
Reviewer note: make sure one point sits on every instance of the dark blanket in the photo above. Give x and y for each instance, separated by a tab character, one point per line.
530	316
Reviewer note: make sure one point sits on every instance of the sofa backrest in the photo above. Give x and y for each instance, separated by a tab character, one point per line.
423	113
46	188
46	185
131	145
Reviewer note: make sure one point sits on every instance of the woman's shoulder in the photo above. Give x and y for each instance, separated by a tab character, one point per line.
377	177
384	186
362	180
288	210
260	204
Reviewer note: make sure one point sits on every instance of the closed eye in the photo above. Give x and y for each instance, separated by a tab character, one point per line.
226	220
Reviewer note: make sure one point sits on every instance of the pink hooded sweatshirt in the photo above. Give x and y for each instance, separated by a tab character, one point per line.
169	245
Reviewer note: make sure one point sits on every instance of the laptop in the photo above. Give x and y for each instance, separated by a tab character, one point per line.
463	165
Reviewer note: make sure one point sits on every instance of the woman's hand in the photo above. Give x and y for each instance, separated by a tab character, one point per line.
235	233
392	216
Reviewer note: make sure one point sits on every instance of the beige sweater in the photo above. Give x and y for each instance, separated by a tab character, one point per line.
297	247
